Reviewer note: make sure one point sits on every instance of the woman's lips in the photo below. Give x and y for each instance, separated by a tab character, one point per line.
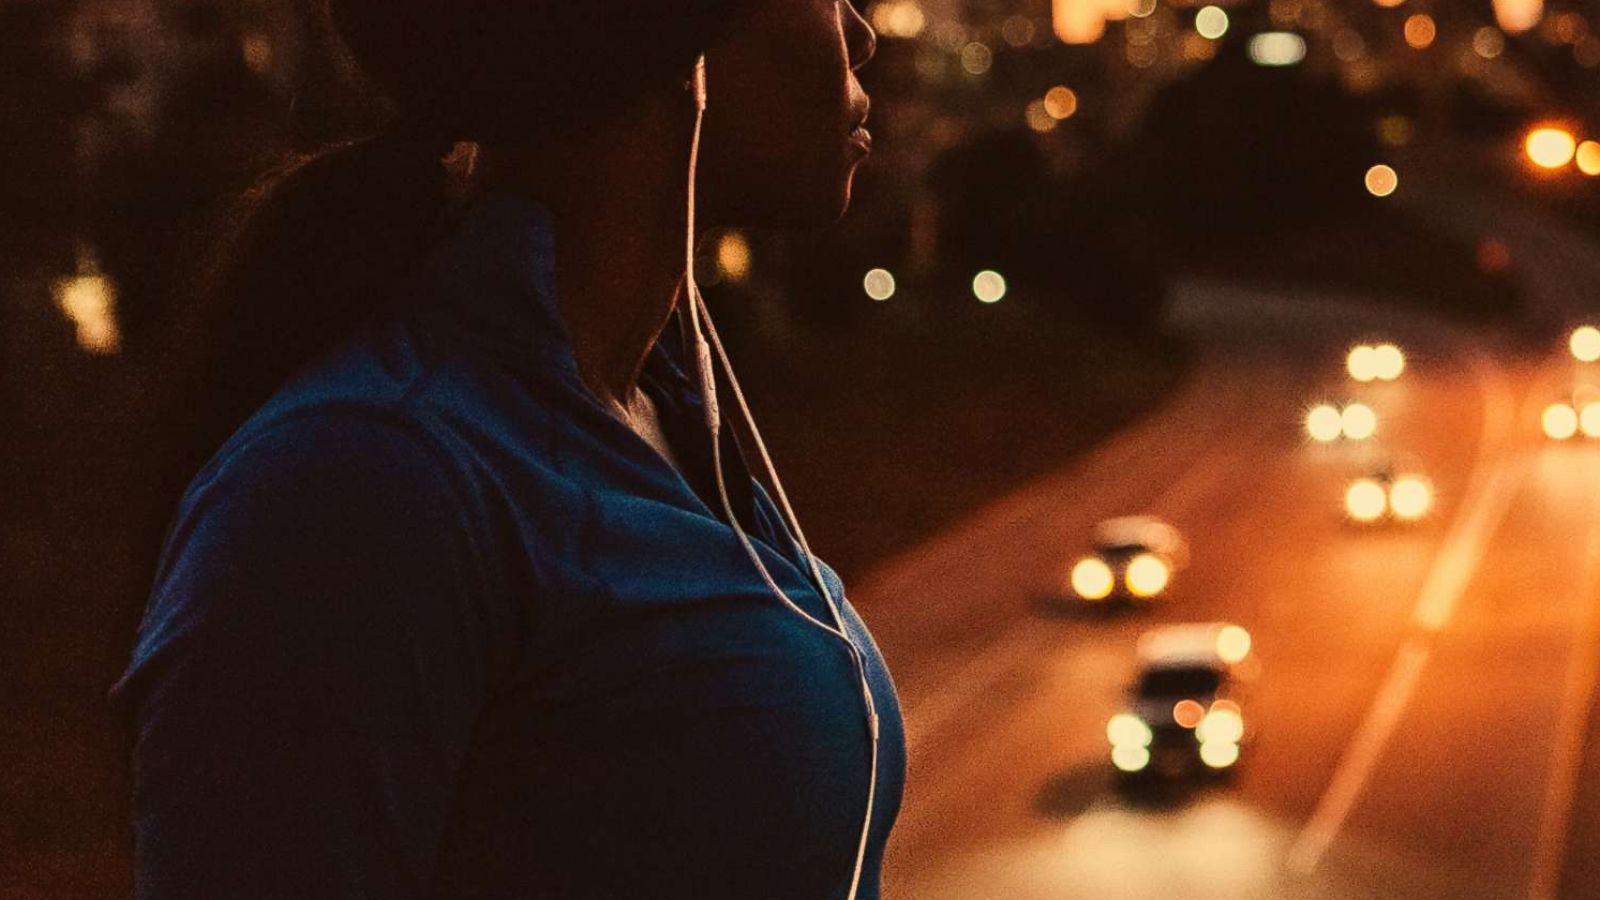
861	139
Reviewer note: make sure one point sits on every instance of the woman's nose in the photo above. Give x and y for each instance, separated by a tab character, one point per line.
861	40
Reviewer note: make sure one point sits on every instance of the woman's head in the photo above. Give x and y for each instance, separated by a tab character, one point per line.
318	245
781	141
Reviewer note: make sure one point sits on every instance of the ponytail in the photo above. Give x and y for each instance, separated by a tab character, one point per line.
313	249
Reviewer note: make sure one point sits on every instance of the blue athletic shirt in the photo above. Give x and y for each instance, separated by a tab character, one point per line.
433	623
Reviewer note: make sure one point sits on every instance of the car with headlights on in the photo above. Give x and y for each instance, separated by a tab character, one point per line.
1571	415
1326	422
1183	719
1133	559
1387	494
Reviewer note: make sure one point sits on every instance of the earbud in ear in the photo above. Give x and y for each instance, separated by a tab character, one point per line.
699	82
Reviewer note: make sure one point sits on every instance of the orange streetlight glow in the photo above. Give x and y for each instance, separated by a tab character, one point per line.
1077	21
1517	16
1420	31
1588	158
1382	180
1550	148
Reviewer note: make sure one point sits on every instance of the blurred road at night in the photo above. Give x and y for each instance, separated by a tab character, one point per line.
1423	718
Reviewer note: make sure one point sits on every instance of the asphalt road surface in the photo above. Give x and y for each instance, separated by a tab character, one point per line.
1423	711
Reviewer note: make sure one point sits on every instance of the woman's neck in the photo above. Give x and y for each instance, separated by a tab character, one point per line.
618	204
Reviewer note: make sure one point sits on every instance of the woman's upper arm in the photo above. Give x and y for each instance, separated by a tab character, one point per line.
315	653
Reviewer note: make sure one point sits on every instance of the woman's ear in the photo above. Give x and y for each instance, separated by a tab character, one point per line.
461	170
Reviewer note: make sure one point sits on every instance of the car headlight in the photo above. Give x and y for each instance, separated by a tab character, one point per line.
1219	754
1560	421
1233	644
1147	575
1358	422
1361	363
1092	579
1323	423
1365	500
1388	362
1127	729
1411	497
1221	724
1589	420
1130	757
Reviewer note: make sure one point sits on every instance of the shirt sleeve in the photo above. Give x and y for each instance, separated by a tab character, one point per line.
314	655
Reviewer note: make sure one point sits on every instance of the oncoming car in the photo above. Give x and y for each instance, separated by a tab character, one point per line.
1570	416
1375	362
1384	495
1134	559
1183	717
1329	422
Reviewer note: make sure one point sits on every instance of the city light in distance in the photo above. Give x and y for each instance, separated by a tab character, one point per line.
1488	42
879	284
1420	31
1018	31
89	301
1060	102
989	286
1077	21
1188	713
1494	255
1588	157
733	256
1550	147
1349	46
899	18
1382	180
1211	22
1395	131
977	58
1277	48
1517	16
1038	117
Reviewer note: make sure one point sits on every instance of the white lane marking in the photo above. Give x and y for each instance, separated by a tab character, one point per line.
1463	547
1359	757
1583	671
1491	487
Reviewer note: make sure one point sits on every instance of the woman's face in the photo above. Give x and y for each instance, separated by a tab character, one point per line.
785	115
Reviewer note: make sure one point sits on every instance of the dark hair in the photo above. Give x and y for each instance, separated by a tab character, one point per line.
307	253
319	243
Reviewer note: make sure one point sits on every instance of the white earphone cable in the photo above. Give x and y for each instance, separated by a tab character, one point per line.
698	315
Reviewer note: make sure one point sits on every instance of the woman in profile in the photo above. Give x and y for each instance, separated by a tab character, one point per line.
481	598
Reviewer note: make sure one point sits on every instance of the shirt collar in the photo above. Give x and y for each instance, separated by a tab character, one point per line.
491	280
